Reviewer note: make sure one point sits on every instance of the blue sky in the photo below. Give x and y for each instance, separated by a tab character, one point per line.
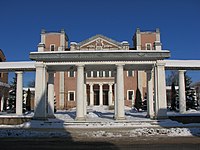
22	20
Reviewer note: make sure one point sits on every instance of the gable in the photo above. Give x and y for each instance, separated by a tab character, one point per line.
99	42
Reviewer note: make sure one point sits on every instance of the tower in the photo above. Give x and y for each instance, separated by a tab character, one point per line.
146	40
55	41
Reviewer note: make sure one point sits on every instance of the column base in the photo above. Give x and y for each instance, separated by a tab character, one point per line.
119	118
150	116
182	112
80	119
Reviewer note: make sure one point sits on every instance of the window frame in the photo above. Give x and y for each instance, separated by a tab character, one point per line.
69	74
133	73
53	46
133	95
68	96
146	46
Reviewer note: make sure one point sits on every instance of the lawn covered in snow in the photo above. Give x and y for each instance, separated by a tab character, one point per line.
136	124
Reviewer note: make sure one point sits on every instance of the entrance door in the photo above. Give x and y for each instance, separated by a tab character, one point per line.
105	97
96	97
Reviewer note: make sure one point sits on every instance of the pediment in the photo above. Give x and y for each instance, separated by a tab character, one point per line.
99	42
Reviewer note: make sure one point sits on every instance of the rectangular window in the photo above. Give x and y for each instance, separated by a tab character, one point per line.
130	73
52	47
71	74
71	96
100	73
94	74
130	94
148	46
89	74
106	73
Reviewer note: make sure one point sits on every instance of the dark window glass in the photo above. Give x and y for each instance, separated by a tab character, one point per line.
95	74
106	73
130	94
71	74
71	96
52	47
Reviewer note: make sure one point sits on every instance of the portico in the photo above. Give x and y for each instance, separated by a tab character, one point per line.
116	61
99	95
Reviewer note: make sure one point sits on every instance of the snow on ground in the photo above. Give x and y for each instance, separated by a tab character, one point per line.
136	124
147	132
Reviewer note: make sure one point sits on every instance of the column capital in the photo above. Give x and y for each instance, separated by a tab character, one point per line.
110	84
182	71
100	84
19	72
80	65
40	65
91	84
120	65
160	63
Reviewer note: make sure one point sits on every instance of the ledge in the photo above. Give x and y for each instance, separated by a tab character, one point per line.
103	55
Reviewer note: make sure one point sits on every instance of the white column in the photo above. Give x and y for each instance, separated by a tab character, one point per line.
19	93
80	93
150	107
51	95
182	98
101	94
120	92
61	90
85	100
115	99
155	90
91	95
161	102
110	93
40	91
2	101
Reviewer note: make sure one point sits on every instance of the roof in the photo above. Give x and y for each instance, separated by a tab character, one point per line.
99	36
17	66
182	64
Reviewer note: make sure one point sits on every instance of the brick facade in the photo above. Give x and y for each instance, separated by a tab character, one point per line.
97	42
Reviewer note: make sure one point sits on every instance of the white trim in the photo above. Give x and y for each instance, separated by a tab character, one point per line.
68	95
133	96
54	47
69	74
132	73
146	46
101	38
109	73
104	73
91	74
